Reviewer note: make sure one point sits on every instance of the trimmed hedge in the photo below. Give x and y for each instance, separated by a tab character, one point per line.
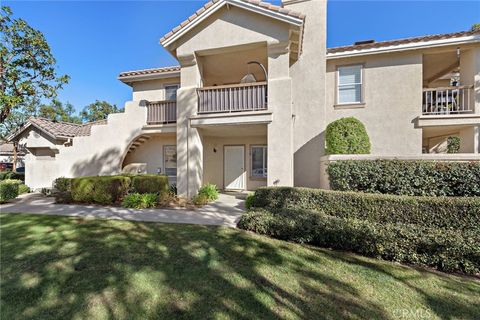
446	250
434	212
12	175
347	136
102	189
8	189
414	178
150	183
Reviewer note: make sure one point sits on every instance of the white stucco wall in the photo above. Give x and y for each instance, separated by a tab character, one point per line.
152	90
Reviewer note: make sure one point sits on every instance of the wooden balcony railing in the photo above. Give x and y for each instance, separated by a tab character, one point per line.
448	100
161	112
233	98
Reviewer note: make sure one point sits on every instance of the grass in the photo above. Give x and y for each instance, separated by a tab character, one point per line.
69	268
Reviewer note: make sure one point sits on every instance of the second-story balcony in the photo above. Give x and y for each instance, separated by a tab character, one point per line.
161	112
448	100
232	98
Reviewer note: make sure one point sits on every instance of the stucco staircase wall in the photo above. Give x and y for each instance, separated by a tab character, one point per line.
102	152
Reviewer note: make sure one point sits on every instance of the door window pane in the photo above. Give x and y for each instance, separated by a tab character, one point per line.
259	161
170	160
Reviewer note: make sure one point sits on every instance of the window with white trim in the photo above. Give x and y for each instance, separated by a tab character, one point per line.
259	161
349	84
170	160
171	92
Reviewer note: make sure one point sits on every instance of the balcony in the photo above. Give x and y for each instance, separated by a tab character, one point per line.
448	101
161	112
232	98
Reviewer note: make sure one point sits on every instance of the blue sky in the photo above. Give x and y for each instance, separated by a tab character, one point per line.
93	41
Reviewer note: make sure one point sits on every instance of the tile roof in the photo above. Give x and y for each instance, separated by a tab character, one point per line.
263	5
148	71
403	41
59	129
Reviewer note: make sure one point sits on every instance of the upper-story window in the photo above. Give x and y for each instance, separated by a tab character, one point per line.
171	92
349	86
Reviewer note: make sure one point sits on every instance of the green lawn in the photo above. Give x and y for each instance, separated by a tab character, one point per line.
66	268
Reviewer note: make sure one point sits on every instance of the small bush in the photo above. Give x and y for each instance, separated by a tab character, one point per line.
446	250
435	212
102	190
150	183
173	189
12	175
8	190
200	199
209	191
347	136
249	201
22	188
62	184
414	178
140	201
453	144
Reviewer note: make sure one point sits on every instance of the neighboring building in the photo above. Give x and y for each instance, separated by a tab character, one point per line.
219	118
7	154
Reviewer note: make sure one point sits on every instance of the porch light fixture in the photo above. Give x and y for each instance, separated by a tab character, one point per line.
261	66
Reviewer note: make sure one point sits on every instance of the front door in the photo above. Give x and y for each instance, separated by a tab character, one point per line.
234	168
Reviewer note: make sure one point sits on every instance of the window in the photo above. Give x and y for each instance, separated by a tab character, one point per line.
259	161
170	160
171	92
349	84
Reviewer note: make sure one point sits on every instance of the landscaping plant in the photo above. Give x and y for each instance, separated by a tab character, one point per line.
8	190
140	201
347	136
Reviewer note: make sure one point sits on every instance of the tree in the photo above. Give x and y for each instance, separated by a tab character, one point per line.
27	67
57	111
98	110
475	27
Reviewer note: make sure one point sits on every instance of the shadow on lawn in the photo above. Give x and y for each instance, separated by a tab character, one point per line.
63	268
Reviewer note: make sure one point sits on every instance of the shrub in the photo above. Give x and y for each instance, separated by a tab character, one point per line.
200	199
12	175
173	189
434	212
150	183
22	188
453	144
62	184
140	201
347	136
102	190
8	190
415	178
209	191
249	201
446	250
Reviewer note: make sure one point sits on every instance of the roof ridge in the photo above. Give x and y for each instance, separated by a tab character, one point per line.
151	69
56	121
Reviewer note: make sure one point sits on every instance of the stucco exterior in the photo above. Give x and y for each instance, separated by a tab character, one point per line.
215	48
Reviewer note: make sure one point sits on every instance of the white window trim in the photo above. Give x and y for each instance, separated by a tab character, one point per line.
337	102
264	163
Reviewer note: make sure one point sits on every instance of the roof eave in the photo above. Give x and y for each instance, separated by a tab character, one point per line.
405	47
144	77
238	3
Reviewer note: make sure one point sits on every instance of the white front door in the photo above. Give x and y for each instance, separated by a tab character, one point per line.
234	167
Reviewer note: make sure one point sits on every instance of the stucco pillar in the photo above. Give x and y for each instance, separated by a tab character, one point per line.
280	130
189	142
470	74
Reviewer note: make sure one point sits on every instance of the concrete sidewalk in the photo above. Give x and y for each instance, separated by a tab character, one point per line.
225	211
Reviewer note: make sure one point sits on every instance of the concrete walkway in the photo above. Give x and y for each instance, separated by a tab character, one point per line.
225	211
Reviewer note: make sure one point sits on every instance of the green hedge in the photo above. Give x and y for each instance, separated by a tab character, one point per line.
8	190
102	189
12	175
435	212
415	178
347	136
446	250
150	183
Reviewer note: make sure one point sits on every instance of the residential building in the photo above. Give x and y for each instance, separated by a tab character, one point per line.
254	90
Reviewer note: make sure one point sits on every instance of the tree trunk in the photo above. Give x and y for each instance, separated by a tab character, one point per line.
14	157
